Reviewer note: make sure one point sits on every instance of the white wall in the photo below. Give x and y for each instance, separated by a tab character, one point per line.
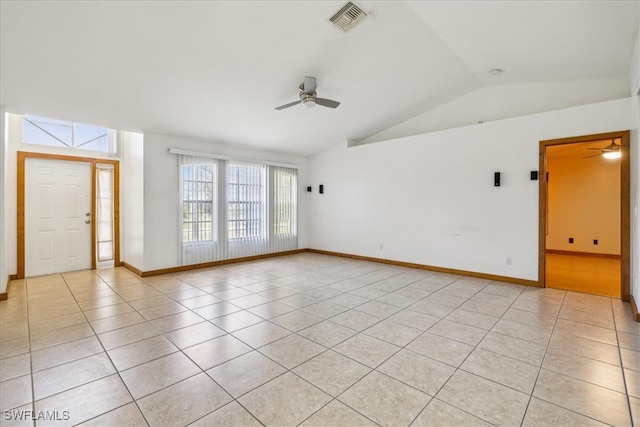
430	198
634	84
161	216
3	213
583	203
132	196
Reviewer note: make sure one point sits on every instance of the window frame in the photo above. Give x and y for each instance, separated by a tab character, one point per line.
254	228
196	203
111	148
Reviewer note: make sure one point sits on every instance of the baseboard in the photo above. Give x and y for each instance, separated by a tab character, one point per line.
190	267
5	295
561	252
183	268
634	308
431	268
132	268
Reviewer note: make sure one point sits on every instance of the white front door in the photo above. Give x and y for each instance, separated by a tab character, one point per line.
57	216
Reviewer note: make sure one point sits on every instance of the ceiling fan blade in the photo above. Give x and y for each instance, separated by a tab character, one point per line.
593	148
291	104
309	85
595	155
327	102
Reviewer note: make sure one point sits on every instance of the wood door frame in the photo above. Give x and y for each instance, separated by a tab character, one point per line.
20	246
625	205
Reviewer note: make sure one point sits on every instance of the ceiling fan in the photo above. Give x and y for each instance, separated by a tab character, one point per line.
611	151
307	93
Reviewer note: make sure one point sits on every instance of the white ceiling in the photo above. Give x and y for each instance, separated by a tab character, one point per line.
215	70
578	149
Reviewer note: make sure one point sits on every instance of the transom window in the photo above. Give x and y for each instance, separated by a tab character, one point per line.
61	133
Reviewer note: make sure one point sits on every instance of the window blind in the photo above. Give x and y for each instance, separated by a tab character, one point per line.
232	209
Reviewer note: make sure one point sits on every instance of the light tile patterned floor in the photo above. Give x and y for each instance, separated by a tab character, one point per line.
313	340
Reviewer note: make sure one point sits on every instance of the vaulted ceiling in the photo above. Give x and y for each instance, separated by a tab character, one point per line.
215	70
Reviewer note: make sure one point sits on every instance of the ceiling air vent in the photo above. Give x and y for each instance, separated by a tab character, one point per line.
348	17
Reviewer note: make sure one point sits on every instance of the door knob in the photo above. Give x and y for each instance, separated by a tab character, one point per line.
87	214
88	221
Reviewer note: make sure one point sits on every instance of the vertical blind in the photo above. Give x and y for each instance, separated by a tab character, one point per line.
285	208
233	209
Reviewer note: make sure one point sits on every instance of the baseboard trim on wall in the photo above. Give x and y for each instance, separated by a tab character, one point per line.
634	308
432	268
561	252
132	268
183	268
5	295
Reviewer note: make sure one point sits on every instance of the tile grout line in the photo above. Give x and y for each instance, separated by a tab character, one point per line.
33	385
385	292
326	349
110	361
546	349
622	368
375	369
459	367
558	318
286	370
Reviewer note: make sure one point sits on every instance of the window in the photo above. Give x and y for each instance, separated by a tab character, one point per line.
198	191
245	200
104	214
233	209
285	184
60	133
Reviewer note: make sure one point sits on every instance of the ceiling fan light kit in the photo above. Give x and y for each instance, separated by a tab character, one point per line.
308	101
612	154
611	151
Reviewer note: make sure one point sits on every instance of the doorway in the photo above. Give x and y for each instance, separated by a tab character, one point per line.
58	199
584	218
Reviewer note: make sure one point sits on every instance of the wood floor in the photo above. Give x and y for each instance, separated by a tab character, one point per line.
581	273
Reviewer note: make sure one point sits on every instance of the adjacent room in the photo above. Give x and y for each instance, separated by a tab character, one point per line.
319	213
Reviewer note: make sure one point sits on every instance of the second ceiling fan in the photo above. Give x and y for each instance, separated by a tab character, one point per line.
611	151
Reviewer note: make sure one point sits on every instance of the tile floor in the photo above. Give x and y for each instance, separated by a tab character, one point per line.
313	340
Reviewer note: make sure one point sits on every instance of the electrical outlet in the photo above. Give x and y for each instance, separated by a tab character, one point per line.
508	260
380	246
595	241
570	239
